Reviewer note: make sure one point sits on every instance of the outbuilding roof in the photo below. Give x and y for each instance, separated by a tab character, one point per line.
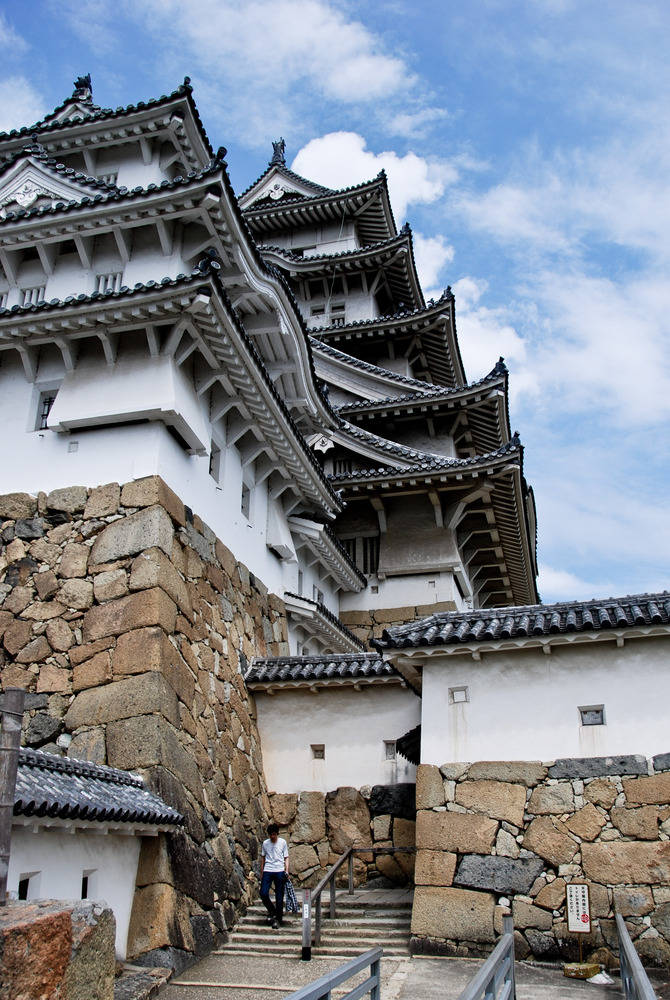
64	788
328	667
452	627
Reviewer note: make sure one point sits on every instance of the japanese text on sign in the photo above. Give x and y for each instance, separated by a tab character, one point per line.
579	909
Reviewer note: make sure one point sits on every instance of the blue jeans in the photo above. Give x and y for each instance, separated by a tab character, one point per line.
279	879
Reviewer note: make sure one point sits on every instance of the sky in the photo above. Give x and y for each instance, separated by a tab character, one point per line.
527	143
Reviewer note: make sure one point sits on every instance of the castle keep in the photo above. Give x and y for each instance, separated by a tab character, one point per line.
239	446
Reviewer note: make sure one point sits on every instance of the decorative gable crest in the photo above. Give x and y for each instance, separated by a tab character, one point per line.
27	181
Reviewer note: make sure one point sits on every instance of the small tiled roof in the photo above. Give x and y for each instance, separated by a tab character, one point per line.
366	366
436	395
333	619
97	114
64	788
401	451
402	315
344	666
425	464
448	628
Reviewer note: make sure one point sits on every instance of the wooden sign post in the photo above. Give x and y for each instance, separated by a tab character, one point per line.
578	906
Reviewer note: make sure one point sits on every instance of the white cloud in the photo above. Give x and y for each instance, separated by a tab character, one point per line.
9	38
432	254
485	334
340	159
561	585
20	103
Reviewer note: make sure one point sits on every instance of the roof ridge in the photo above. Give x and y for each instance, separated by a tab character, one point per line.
435	464
432	305
72	765
386	444
418	396
402	236
325	191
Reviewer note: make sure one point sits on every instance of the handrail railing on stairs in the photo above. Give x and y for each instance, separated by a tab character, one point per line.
312	897
322	988
495	980
635	983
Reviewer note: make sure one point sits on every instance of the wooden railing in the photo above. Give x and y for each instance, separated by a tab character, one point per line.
322	988
635	983
312	897
495	980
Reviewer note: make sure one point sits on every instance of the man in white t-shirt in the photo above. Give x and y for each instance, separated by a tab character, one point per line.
274	870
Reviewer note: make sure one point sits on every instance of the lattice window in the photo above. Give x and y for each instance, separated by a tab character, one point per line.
4	296
109	178
108	282
370	554
342	465
31	296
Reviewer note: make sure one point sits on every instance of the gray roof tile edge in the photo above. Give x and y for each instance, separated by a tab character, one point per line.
529	621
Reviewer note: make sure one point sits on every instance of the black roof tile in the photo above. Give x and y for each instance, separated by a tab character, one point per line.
64	788
344	666
452	627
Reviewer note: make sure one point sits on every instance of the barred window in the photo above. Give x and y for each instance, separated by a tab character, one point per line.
31	296
108	282
47	400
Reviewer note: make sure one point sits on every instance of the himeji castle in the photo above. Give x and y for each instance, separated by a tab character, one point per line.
260	536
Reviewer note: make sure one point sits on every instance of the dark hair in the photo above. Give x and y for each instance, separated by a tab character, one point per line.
273	828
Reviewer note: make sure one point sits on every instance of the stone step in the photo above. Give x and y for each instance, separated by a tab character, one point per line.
281	950
344	934
382	925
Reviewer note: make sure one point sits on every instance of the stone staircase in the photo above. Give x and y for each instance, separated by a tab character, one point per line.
369	918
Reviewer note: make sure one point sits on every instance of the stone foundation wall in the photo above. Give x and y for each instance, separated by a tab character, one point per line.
367	625
495	836
320	826
56	951
130	625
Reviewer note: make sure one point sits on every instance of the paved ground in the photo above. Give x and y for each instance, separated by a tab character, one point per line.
402	979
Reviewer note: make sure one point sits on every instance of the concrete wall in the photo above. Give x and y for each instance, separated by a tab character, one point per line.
496	836
55	860
352	725
524	702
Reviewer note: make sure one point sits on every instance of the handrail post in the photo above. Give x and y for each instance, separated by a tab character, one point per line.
351	873
317	921
10	739
508	928
375	973
306	954
332	899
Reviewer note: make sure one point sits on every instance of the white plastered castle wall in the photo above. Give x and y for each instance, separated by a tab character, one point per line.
352	726
524	704
55	861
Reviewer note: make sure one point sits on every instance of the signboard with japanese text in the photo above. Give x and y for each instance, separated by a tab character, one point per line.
579	908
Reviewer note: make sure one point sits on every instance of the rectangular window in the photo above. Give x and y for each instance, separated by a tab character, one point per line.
84	887
592	715
389	750
4	296
29	885
245	501
300	581
458	695
31	296
109	178
337	314
46	401
318	751
214	461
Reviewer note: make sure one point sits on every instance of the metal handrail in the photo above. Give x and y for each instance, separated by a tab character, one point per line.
322	988
495	980
312	897
635	983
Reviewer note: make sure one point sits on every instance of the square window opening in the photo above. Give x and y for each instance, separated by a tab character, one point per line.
390	749
318	751
459	695
592	715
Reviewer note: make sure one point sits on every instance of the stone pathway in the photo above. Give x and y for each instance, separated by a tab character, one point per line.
417	978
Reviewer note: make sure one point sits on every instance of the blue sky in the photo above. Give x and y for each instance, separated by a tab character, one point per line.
528	144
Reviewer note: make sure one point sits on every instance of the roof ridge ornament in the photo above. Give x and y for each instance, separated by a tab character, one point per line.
278	153
83	89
